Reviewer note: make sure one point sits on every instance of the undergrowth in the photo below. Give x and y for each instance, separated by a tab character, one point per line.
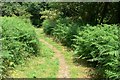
19	42
98	44
43	66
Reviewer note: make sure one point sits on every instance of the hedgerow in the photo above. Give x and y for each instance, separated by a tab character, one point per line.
97	44
19	42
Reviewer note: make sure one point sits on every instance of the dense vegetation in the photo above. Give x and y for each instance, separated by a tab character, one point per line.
24	10
89	29
98	44
89	13
19	42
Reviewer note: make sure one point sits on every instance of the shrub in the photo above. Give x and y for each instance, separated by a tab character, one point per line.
50	20
99	45
65	31
19	42
62	29
48	26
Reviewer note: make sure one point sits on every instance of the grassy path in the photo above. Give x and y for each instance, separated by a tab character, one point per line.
63	68
76	70
55	61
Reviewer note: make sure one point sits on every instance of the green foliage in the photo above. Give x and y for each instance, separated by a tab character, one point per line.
49	23
43	66
34	9
64	31
15	9
19	41
99	45
90	12
61	29
48	26
100	39
24	10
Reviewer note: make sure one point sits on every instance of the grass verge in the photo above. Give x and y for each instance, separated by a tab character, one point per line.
43	66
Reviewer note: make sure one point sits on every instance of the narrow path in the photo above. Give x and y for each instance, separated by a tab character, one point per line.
63	68
55	61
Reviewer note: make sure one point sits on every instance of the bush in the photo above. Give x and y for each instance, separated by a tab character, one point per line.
99	45
50	20
61	29
65	31
19	42
48	26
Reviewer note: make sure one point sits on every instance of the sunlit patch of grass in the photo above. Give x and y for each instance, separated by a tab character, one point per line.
75	71
43	66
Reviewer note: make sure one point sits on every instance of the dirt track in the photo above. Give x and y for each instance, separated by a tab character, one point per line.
63	68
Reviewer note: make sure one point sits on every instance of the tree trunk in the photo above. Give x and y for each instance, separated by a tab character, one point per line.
104	11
